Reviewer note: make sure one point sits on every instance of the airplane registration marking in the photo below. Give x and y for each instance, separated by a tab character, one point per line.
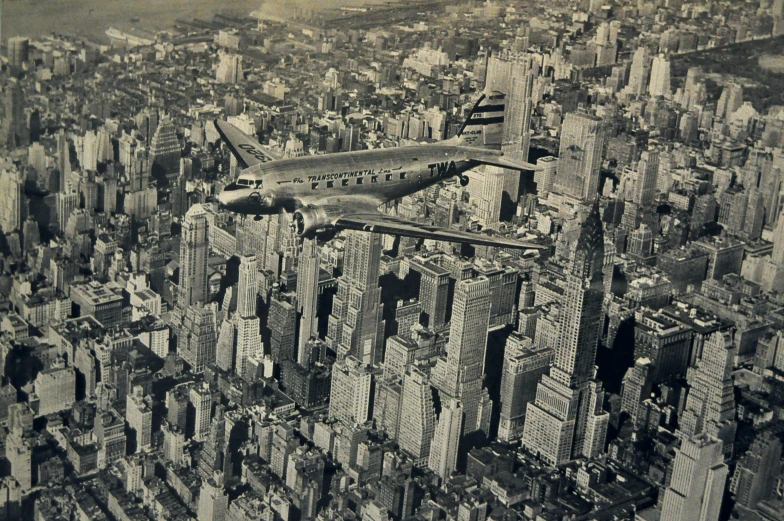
255	152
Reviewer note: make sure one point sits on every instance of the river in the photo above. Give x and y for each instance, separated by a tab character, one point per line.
93	17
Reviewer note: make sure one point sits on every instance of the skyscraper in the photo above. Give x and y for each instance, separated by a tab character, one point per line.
247	286
710	402
15	133
213	501
197	339
249	344
13	198
165	153
566	420
307	296
18	51
446	439
647	170
697	483
756	472
355	326
459	375
193	258
660	77
524	365
349	399
580	156
201	400
229	69
417	416
640	70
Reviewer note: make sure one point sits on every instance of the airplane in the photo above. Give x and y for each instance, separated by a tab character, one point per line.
343	191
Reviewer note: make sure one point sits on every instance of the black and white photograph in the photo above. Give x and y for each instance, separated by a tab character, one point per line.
391	260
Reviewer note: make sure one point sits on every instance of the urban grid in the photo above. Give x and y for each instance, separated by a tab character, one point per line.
164	358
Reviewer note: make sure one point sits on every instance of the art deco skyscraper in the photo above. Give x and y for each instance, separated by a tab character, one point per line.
14	130
193	258
580	156
165	152
756	473
417	416
446	439
660	77
710	403
355	326
349	398
307	296
247	286
566	420
697	483
640	70
459	374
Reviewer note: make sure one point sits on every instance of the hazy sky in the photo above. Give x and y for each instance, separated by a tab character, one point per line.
93	17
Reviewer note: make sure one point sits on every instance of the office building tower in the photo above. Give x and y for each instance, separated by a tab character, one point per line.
349	399
177	408
730	100
524	365
197	338
18	51
517	120
138	414
13	200
645	180
226	348
307	296
14	129
194	252
492	195
757	471
446	439
63	160
640	70
355	325
636	386
459	374
545	178
247	286
580	156
417	416
566	420
697	484
660	77
282	324
433	292
229	69
213	501
249	344
201	402
19	453
165	153
710	402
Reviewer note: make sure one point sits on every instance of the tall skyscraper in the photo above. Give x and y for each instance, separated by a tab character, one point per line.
249	344
349	399
18	51
63	159
580	156
15	132
647	170
355	326
660	77
201	400
446	439
165	153
247	286
697	485
229	69
566	420
417	419
459	375
307	296
193	258
524	365
710	402
756	472
433	292
13	200
197	338
640	70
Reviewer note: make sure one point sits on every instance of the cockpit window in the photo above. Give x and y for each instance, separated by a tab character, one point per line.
244	182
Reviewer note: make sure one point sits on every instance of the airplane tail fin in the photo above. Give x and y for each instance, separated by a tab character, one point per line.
484	126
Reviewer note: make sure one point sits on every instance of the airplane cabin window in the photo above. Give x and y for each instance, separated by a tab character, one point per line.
330	184
389	177
314	186
402	175
259	184
359	180
344	182
374	179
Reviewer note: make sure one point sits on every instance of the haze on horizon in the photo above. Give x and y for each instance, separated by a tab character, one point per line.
91	18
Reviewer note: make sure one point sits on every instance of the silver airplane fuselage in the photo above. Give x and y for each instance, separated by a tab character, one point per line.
367	177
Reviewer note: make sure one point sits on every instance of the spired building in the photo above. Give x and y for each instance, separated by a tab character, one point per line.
566	420
355	326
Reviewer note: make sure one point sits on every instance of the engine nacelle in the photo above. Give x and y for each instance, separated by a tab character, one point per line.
310	221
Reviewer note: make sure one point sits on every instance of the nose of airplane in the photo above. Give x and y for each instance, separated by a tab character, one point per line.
224	199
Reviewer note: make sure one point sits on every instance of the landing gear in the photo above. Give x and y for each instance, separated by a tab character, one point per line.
463	181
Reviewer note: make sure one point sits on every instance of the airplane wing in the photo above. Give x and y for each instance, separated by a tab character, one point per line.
380	223
247	150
